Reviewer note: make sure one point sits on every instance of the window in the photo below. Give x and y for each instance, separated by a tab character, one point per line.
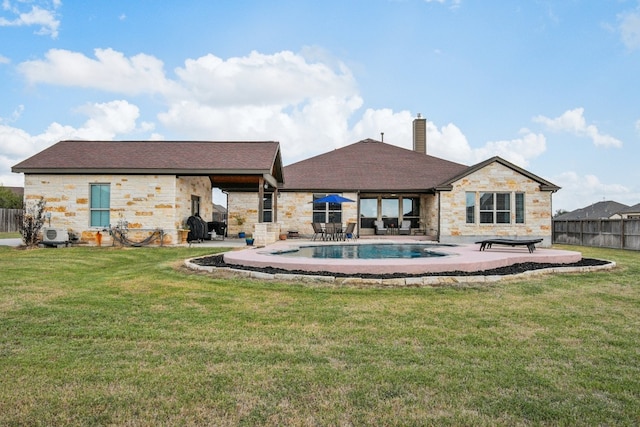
368	212
326	212
390	210
486	208
495	208
99	205
503	208
195	205
267	207
519	208
471	208
411	210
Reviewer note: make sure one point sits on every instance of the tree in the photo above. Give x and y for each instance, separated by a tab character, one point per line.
560	212
9	199
32	222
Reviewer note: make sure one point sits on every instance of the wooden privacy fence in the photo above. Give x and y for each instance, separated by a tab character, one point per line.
603	233
10	220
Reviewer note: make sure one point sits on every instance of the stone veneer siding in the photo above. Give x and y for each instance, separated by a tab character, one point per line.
144	201
495	178
295	211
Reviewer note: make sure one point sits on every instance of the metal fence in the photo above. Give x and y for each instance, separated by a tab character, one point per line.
10	220
603	233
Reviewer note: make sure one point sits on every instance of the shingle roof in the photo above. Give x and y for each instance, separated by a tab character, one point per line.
631	209
599	210
161	157
370	165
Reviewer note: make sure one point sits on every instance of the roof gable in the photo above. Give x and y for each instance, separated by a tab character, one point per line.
544	184
369	165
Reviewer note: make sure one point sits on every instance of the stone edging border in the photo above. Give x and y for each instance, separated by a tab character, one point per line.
432	281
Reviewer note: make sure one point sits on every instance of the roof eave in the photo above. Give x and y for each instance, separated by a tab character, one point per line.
138	171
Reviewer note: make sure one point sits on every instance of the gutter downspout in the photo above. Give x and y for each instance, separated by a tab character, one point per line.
358	214
439	215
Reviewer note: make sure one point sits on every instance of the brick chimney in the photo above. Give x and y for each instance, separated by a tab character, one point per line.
420	134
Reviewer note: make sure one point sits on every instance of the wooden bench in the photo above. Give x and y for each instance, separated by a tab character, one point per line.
530	243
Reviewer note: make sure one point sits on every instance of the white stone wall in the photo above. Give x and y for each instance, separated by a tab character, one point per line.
144	201
188	186
295	211
495	178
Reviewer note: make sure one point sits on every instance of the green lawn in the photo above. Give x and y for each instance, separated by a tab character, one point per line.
102	336
6	235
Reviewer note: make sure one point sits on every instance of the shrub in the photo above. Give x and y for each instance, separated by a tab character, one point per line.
31	223
9	200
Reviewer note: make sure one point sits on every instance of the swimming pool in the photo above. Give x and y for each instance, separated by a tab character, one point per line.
459	258
371	251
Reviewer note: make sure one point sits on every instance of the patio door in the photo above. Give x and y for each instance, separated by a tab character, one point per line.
390	209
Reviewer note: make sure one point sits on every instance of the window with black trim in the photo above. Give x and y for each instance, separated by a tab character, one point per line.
471	207
519	208
267	207
326	212
495	208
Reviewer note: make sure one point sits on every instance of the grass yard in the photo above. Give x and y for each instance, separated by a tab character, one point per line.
7	235
102	336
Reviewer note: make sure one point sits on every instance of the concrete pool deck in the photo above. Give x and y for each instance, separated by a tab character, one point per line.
465	258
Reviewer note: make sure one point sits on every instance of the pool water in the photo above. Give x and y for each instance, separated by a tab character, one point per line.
372	251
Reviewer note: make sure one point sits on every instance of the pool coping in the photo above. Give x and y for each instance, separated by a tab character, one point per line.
466	258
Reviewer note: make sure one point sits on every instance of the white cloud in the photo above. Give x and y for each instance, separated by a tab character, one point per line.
630	29
518	151
4	60
454	3
280	78
573	121
42	16
310	107
14	116
106	121
450	143
579	191
111	71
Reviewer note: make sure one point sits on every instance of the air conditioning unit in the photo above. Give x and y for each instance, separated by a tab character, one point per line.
54	236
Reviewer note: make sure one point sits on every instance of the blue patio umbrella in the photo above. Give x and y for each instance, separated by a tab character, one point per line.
333	198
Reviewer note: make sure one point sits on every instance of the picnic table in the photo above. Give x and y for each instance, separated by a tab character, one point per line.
529	243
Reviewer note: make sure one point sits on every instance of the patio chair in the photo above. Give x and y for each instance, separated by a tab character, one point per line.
405	227
348	233
317	230
330	231
380	227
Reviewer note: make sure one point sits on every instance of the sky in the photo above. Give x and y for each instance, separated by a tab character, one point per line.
552	86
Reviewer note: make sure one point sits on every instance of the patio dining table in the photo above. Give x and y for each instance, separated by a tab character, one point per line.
333	231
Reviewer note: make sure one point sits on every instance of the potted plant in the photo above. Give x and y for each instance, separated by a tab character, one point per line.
249	240
240	220
184	233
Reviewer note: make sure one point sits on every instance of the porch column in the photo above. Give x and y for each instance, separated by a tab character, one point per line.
274	204
260	199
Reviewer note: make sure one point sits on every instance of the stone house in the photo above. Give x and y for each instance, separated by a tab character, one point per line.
153	185
92	186
446	201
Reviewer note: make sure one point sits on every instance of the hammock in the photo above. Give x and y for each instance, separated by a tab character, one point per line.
120	235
